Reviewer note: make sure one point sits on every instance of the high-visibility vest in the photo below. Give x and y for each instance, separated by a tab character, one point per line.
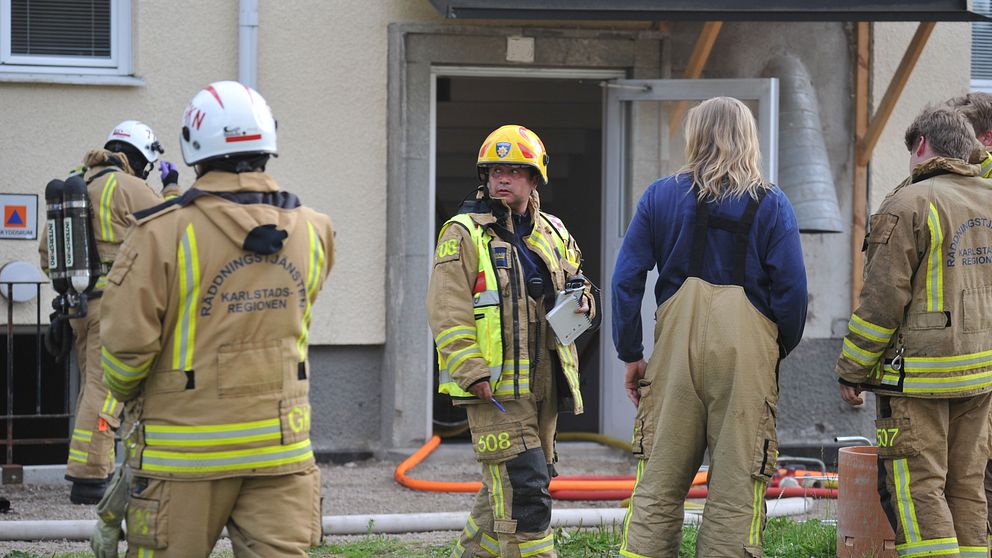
509	378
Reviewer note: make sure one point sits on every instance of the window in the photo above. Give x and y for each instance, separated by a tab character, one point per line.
981	49
65	36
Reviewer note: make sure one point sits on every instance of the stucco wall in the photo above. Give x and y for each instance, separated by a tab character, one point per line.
942	71
321	66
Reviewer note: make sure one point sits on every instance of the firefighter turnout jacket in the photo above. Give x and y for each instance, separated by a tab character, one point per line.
205	329
922	328
479	311
114	195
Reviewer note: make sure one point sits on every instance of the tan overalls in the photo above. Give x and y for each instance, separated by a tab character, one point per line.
711	383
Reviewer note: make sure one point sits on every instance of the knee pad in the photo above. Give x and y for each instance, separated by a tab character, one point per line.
528	473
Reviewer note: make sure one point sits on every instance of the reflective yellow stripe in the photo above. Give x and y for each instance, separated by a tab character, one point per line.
452	334
928	547
76	455
757	512
533	548
315	265
974	552
859	355
499	512
101	282
184	341
120	376
145	552
106	223
81	435
204	462
459	550
986	170
471	528
935	264
921	365
541	243
868	330
907	510
489	544
630	510
110	405
948	385
458	358
213	434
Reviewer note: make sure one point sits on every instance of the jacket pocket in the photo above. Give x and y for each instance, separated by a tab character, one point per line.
167	381
644	421
765	460
919	321
294	418
976	309
882	225
896	438
122	265
250	368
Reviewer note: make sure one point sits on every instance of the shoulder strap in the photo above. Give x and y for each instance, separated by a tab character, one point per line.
740	228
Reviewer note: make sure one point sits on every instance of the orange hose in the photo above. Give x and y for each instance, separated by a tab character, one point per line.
451	486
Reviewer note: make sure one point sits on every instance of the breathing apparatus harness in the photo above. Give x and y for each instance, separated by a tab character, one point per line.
73	261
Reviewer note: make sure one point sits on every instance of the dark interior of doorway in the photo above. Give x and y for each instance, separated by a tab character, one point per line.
567	115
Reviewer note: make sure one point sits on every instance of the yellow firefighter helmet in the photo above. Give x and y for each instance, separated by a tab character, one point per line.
513	145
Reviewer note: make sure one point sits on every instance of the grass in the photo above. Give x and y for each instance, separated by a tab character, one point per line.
784	538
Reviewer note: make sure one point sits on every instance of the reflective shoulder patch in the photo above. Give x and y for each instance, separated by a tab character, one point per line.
448	249
882	225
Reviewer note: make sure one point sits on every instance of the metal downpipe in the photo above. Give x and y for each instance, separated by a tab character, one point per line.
804	168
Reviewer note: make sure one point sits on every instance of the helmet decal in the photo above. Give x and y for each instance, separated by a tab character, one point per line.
485	147
216	95
527	153
502	149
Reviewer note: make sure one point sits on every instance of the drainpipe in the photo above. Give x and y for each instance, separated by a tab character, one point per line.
248	43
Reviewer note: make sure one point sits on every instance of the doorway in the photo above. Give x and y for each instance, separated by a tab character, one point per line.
567	114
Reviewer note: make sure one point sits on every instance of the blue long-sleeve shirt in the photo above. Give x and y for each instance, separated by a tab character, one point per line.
660	234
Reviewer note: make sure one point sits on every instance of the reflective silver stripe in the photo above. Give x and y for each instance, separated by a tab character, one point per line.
949	384
486	298
533	548
457	358
928	548
489	544
154	436
948	364
189	294
463	330
189	462
869	330
120	369
935	266
974	552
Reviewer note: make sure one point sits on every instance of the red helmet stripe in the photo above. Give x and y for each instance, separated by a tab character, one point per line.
526	152
213	92
252	137
485	147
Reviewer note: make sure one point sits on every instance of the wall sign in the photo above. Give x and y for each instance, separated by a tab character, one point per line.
20	216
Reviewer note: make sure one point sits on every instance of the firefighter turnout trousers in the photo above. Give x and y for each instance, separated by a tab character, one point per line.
184	519
932	455
91	448
697	394
511	516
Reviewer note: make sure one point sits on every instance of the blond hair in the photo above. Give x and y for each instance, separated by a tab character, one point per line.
722	151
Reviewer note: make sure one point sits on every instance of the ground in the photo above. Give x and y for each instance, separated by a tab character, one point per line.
364	487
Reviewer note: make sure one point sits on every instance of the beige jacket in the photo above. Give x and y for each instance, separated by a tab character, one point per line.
450	302
205	323
114	195
924	325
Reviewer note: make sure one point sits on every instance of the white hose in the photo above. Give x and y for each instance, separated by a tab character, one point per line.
80	530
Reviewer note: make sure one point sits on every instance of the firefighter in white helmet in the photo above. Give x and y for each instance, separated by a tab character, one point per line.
206	321
498	266
116	187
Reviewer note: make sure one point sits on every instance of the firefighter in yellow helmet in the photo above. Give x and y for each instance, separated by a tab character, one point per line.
115	182
498	266
920	341
206	319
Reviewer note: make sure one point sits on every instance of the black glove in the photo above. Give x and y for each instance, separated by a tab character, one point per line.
170	174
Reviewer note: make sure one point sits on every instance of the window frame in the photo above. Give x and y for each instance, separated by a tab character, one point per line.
119	63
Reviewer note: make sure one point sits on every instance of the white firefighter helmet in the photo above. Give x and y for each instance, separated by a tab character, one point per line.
227	118
138	135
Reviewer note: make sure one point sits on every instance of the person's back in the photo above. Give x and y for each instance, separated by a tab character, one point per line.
919	340
732	301
208	312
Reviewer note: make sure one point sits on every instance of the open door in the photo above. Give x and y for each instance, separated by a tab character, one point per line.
643	141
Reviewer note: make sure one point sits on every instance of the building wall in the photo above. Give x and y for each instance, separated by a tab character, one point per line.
943	71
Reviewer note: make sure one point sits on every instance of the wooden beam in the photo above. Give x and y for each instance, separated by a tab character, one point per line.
859	194
898	83
694	69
